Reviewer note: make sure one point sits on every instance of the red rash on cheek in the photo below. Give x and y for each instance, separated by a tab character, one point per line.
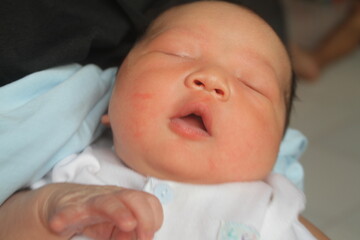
141	101
141	107
143	96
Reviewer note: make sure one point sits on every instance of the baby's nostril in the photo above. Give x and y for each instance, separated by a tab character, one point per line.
219	92
198	83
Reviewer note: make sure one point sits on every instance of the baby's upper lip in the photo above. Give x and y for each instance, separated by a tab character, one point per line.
198	110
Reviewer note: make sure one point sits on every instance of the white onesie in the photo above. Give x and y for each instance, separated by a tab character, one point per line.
266	210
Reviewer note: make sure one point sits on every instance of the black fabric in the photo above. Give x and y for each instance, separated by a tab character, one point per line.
36	35
39	34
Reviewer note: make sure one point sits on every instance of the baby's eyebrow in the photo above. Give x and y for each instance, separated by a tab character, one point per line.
199	35
290	89
178	32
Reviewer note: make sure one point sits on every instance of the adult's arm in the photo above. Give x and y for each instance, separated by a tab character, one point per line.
313	229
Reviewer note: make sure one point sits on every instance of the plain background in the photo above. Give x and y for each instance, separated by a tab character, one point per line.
328	113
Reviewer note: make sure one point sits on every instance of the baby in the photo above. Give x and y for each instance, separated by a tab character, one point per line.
198	111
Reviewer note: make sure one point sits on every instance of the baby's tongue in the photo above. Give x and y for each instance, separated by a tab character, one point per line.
194	121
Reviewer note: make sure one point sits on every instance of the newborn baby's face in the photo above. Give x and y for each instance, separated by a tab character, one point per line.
202	97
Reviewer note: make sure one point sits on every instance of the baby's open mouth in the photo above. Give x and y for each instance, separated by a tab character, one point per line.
193	124
195	121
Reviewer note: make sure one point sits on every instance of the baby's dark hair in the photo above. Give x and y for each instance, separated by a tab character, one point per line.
270	11
290	99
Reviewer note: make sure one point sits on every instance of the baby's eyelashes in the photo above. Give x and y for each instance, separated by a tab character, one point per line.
181	54
252	87
245	82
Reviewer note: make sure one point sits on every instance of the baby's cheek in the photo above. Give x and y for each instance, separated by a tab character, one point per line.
140	110
142	96
141	101
250	157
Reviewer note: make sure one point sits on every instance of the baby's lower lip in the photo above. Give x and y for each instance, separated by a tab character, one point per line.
182	128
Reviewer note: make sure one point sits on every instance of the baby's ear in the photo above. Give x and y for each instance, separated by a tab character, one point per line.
105	120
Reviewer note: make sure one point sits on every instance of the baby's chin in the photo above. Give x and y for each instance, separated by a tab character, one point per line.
205	177
196	171
206	180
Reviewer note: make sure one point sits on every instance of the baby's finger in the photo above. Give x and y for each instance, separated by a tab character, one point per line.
104	208
112	209
147	210
119	235
68	220
102	230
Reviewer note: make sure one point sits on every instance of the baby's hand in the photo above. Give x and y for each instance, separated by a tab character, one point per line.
102	212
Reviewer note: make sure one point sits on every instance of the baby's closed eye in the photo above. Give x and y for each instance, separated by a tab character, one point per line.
177	53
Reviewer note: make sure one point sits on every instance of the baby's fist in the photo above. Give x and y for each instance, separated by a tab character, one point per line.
102	212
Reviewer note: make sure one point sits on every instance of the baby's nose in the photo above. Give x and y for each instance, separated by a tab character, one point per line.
215	81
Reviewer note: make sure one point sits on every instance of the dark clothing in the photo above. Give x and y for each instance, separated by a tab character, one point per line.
36	35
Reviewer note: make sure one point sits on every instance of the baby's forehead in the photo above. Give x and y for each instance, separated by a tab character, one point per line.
184	21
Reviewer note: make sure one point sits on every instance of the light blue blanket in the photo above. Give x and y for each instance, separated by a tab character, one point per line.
51	114
292	147
46	116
